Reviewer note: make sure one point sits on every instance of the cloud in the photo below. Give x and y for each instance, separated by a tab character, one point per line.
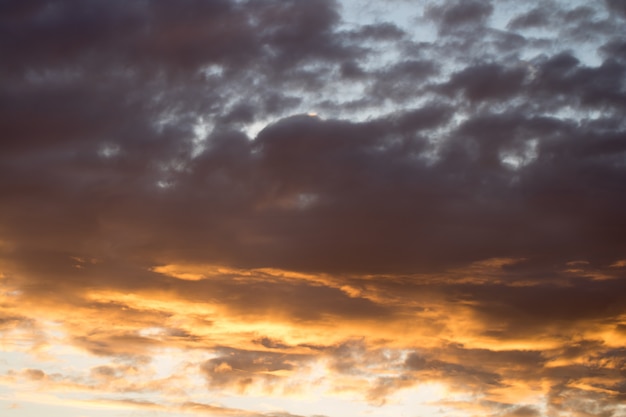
616	6
533	18
282	199
379	31
241	369
455	14
523	411
488	82
250	174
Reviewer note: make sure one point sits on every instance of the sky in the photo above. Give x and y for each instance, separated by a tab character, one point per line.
312	208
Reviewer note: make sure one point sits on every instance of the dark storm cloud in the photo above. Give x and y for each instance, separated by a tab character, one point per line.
307	193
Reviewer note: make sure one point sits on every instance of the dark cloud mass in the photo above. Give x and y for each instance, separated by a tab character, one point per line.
454	14
443	200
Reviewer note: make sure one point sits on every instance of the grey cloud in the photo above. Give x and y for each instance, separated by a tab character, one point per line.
617	6
460	13
316	173
534	18
486	82
600	87
351	69
181	37
144	151
615	49
378	32
403	80
580	13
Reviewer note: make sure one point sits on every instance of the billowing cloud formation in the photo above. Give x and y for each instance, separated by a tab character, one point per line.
243	207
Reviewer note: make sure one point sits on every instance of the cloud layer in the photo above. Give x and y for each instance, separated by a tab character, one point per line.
296	199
